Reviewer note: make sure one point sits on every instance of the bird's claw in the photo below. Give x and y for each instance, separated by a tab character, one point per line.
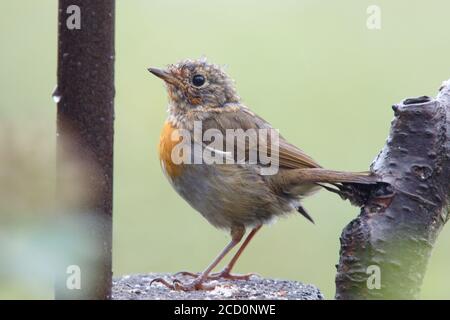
165	282
177	285
224	274
187	274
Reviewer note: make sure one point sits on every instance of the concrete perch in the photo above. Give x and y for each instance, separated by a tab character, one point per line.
136	287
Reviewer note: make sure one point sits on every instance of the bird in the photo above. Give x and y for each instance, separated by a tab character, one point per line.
235	195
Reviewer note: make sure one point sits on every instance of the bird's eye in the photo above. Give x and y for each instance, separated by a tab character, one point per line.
198	80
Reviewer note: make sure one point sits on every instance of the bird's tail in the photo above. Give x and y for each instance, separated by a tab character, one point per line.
353	186
319	175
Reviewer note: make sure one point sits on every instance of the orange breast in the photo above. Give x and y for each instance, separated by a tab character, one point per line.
168	140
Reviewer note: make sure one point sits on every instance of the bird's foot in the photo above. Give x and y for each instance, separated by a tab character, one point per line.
187	274
197	284
224	274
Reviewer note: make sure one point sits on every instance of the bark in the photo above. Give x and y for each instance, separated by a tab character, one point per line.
401	219
85	96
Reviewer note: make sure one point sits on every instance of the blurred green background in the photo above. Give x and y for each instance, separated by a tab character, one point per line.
312	68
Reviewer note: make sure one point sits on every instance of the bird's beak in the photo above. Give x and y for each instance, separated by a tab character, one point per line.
163	74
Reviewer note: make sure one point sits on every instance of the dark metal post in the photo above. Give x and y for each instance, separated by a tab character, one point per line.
85	97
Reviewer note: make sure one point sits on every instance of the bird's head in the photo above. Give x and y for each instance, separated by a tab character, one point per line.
194	84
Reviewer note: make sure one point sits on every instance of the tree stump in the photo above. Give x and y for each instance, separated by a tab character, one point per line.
385	250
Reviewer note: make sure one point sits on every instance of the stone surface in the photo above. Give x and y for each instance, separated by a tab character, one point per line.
136	287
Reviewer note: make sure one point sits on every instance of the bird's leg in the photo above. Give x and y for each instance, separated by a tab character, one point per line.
198	283
226	272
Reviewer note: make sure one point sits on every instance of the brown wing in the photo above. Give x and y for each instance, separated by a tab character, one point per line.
290	156
293	158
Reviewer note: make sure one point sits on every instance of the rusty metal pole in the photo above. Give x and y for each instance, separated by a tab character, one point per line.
85	117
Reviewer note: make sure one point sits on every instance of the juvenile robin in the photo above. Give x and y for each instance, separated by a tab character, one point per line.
235	195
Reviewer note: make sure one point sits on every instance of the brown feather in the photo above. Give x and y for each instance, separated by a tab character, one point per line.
290	156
